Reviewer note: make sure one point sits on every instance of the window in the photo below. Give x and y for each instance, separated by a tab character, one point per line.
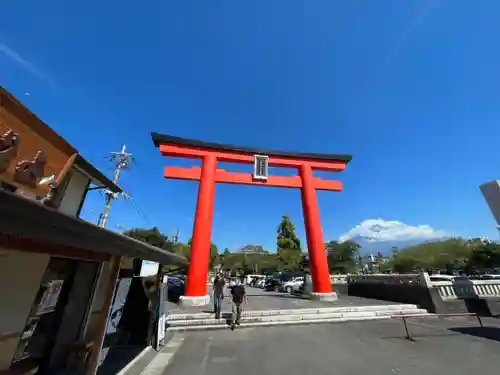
260	167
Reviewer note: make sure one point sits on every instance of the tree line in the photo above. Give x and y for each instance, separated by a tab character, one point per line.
451	255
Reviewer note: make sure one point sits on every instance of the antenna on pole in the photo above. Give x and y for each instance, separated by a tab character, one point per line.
176	237
122	160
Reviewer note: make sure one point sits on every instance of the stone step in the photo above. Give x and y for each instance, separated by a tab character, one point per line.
273	322
290	317
312	311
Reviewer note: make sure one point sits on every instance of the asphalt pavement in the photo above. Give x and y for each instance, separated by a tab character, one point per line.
259	299
455	346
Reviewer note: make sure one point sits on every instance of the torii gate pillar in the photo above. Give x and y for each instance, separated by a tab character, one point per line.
318	265
196	290
209	175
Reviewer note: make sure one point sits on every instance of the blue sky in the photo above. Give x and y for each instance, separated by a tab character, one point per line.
410	88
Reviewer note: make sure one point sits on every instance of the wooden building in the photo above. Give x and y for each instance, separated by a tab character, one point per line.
57	272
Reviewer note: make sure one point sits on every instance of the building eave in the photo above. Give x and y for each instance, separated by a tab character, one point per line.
96	176
33	221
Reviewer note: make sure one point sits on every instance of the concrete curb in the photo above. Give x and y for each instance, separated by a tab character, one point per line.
139	363
162	359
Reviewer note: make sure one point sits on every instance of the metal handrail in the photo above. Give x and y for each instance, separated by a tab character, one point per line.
403	317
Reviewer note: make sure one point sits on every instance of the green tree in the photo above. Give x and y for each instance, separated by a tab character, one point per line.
485	255
288	245
214	256
151	236
447	254
183	250
250	259
225	258
214	252
342	256
268	264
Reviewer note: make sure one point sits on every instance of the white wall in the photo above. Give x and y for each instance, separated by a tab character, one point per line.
74	193
20	277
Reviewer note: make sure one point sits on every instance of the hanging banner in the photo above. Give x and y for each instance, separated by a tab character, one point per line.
119	302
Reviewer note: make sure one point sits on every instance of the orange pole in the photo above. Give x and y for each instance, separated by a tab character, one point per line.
200	247
317	255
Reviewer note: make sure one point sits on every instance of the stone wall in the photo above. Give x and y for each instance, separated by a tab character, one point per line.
416	294
460	296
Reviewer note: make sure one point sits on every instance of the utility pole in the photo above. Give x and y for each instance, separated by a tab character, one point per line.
122	160
176	237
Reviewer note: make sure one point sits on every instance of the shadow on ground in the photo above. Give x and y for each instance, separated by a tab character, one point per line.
421	335
491	333
118	358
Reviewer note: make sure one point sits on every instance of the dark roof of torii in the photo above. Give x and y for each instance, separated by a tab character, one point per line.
159	139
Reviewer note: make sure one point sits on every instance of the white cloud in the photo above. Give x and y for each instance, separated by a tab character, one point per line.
23	63
378	230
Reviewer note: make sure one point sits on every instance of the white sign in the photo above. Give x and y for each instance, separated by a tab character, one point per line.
149	268
162	312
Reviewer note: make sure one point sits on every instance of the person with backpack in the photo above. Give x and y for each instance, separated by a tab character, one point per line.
239	296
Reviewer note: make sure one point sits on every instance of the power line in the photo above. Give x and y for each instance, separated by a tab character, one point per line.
140	212
128	197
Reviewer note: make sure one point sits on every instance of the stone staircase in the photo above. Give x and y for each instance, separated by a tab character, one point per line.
262	318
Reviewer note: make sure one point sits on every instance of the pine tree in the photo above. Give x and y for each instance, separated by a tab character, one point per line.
288	246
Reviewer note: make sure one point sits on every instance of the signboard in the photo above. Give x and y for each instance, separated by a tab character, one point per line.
149	268
260	167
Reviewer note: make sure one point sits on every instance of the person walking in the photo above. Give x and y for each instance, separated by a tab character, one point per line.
239	297
218	294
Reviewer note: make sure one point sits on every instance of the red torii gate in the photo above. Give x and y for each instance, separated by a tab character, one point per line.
209	175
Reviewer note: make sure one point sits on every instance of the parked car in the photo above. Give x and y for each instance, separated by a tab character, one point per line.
261	283
292	285
256	280
176	288
272	285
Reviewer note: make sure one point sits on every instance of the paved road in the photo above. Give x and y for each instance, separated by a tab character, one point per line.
357	348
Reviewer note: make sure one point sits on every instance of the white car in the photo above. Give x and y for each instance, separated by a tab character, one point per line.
292	285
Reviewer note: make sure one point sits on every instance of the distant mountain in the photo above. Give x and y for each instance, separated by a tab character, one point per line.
378	235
